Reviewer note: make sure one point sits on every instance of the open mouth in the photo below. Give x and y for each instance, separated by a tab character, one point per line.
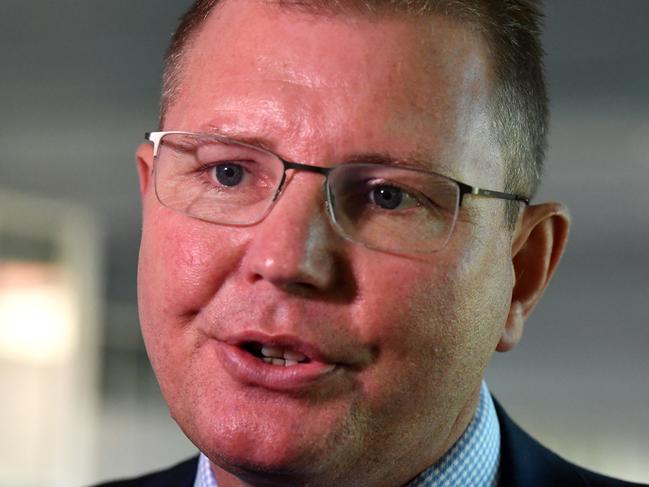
275	355
279	363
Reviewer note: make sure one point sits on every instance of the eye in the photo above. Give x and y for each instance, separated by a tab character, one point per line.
391	197
228	174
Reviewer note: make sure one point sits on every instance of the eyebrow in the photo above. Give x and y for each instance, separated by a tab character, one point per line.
415	160
239	136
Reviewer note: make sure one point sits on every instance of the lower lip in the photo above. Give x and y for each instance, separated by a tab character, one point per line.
250	370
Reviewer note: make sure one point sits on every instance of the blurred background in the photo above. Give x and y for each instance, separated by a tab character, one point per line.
79	87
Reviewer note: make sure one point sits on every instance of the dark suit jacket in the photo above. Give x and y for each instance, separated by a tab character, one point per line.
523	463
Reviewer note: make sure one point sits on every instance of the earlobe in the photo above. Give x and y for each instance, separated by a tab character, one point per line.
539	241
144	161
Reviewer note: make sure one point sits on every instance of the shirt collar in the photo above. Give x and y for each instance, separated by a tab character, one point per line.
471	462
474	459
204	474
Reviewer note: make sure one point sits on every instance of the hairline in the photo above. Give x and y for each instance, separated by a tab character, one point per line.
175	58
521	175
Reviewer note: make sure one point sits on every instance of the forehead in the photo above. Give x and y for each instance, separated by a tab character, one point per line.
257	68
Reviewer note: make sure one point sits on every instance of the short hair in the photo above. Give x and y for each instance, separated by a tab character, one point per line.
511	29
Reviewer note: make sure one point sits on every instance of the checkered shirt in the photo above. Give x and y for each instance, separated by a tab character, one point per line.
471	462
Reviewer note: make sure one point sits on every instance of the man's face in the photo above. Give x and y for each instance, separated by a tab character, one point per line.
396	344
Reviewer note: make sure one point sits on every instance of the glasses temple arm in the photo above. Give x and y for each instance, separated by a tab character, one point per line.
488	193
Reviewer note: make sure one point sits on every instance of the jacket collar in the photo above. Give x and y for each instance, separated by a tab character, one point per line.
526	463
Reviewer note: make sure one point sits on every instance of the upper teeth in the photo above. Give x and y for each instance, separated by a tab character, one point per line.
280	356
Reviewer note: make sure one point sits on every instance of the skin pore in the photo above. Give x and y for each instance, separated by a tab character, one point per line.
408	338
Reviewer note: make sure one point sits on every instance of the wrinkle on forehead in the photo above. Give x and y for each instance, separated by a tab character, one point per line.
290	75
260	47
414	83
240	106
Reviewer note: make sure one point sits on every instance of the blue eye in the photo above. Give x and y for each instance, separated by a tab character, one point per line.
228	174
387	197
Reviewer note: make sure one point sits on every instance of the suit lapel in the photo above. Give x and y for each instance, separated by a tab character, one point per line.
526	463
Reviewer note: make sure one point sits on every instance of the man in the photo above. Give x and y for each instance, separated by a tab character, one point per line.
337	235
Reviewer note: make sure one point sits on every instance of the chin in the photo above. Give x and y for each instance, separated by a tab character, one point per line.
271	461
270	439
276	464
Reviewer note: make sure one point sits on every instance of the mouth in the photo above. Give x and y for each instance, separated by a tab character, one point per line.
279	363
276	355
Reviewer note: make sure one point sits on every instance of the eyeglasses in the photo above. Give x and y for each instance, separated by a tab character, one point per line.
384	207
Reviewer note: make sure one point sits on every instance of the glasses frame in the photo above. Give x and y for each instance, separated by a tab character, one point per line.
464	189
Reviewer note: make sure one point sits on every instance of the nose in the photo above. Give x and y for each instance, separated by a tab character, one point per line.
295	247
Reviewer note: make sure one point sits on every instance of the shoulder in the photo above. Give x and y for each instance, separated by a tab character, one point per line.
180	475
527	463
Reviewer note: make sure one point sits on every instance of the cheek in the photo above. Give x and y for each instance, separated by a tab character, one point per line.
183	263
405	304
439	321
480	294
407	317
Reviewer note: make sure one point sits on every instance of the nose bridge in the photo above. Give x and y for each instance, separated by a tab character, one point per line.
295	243
298	166
301	201
312	180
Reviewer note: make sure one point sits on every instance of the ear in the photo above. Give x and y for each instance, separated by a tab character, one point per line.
539	241
144	160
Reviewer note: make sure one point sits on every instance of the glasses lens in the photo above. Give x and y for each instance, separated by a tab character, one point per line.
393	209
216	179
